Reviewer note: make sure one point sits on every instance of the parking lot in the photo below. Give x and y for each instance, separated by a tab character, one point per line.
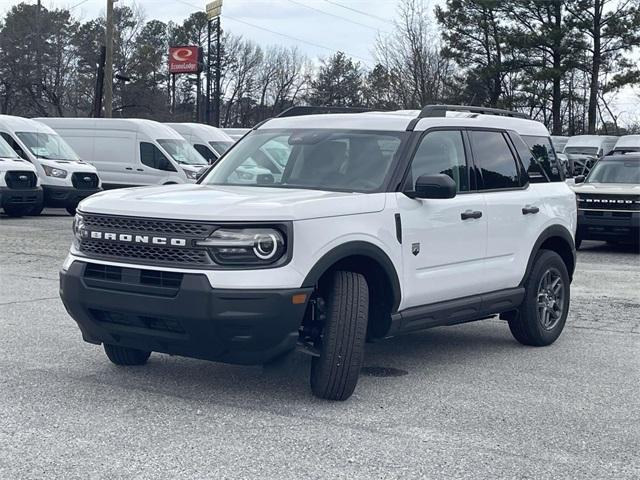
464	402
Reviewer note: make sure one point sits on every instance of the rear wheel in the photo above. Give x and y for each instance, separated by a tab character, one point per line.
543	313
16	210
126	356
36	210
334	374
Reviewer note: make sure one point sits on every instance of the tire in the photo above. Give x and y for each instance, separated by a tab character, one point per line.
126	356
36	210
543	313
334	374
16	210
71	210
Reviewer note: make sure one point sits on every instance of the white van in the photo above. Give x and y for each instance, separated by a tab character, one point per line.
236	133
131	152
210	142
627	143
559	141
65	178
20	191
592	145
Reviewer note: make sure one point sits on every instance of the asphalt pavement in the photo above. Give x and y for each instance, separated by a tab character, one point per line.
454	402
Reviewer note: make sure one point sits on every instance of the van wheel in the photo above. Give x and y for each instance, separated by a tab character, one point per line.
334	374
16	210
36	210
71	210
126	356
543	313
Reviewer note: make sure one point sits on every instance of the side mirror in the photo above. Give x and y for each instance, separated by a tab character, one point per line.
434	186
579	179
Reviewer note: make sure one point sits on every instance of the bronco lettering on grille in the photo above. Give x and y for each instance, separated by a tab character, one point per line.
130	238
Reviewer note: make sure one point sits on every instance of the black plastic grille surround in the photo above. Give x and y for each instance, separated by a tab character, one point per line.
20	179
609	202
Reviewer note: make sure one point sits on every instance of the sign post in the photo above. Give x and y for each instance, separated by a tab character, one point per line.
185	59
214	10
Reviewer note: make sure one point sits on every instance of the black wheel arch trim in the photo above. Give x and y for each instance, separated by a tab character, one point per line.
557	231
356	248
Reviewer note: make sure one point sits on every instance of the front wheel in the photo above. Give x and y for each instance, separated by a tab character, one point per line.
126	356
334	374
543	313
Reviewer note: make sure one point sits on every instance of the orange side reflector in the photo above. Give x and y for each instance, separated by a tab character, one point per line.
299	298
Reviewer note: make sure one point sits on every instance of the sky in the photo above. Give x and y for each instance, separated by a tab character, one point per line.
318	27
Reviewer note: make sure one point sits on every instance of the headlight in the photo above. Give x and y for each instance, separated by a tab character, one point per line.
246	246
54	172
191	175
78	226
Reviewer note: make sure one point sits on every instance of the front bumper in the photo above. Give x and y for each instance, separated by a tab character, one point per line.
20	196
62	197
608	225
180	314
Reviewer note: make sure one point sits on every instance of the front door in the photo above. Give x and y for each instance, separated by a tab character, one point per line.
444	240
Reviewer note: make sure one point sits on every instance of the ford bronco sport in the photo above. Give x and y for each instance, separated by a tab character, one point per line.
378	224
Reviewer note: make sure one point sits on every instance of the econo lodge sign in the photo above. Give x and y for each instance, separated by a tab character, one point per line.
185	59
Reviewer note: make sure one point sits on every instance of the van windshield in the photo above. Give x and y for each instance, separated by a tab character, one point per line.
6	151
48	146
182	152
581	150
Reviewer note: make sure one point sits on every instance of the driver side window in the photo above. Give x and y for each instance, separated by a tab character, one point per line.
152	157
13	144
441	151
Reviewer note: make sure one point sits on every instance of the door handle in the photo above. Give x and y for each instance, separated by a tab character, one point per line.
140	169
128	168
466	215
530	209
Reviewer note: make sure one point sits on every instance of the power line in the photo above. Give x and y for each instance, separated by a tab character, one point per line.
317	45
357	11
290	37
77	4
336	16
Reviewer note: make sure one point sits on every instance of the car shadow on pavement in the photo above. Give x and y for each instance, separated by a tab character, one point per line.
287	379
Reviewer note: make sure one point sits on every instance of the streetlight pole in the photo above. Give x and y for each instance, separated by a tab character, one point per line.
214	10
108	67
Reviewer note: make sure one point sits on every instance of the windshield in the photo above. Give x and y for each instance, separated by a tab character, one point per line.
615	171
322	159
581	150
221	146
182	152
47	145
6	151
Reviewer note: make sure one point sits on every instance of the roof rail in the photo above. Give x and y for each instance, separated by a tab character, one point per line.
313	110
435	111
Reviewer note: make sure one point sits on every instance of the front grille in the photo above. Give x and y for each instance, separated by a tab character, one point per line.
84	181
143	225
149	254
609	202
20	179
188	255
152	282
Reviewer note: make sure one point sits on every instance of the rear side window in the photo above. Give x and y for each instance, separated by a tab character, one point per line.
494	159
152	157
546	165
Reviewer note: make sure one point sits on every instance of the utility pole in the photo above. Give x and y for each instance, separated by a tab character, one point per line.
218	68
97	98
108	67
214	10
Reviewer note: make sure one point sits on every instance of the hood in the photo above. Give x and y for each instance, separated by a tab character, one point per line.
230	203
69	165
15	164
608	188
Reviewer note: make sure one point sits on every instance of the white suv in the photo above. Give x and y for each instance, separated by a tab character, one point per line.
380	224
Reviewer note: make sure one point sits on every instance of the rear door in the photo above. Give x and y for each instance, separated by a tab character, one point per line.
513	208
443	246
